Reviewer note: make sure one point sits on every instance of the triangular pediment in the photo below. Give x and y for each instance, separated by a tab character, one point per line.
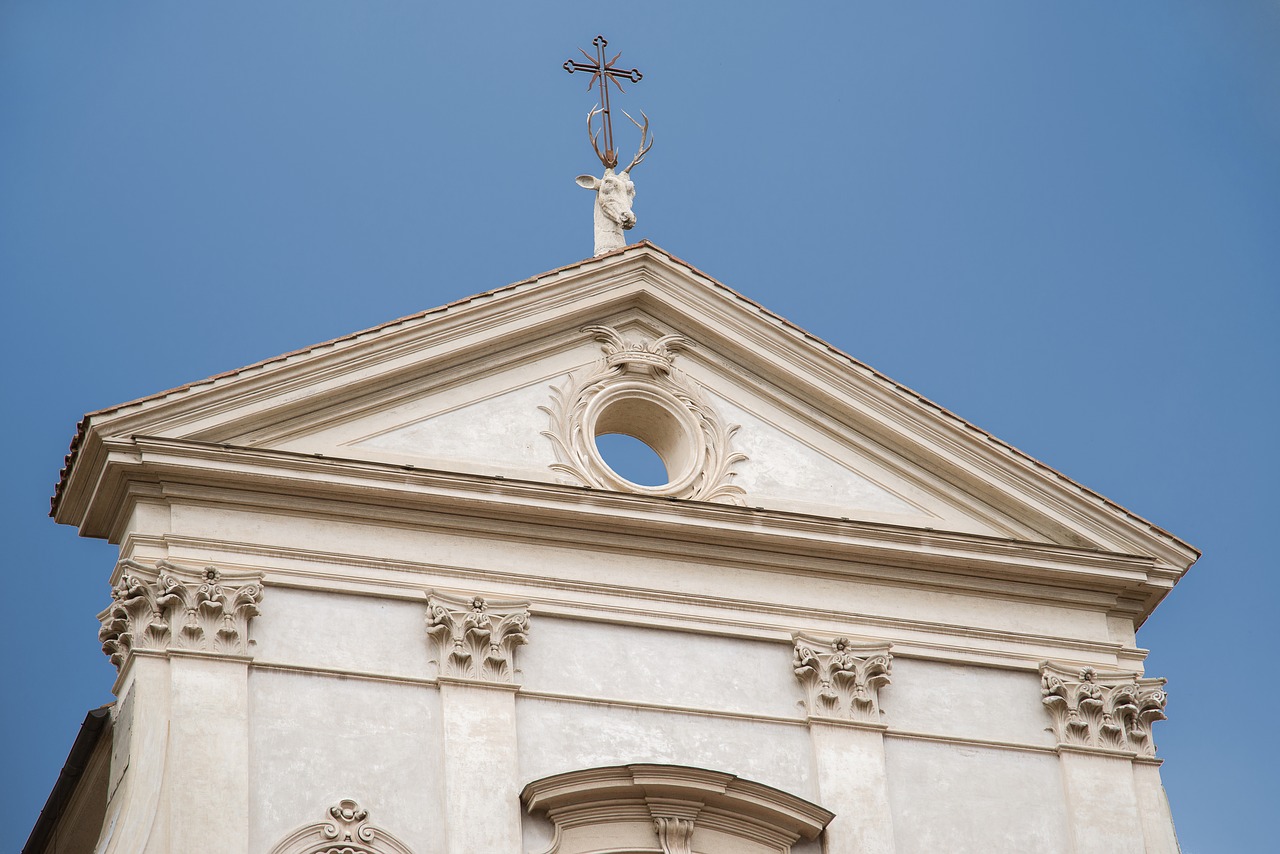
745	409
501	421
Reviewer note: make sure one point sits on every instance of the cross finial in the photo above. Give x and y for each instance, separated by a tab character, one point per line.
604	72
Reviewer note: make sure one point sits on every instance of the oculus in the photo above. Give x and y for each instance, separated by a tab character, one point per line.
637	391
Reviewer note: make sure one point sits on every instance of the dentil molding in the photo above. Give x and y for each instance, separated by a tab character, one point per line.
842	679
171	608
1111	710
637	390
346	831
476	638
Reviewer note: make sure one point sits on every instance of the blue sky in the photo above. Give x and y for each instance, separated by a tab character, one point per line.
1061	221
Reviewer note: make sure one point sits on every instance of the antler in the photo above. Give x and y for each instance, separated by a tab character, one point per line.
608	158
644	148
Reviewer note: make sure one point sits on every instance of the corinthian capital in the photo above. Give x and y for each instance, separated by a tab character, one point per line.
475	638
1103	709
842	679
167	607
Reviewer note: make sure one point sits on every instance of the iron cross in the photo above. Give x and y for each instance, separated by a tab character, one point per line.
605	73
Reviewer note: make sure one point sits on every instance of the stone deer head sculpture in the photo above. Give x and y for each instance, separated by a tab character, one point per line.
614	191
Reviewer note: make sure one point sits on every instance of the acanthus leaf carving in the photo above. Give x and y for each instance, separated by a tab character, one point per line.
842	679
345	831
476	638
643	370
172	608
1111	710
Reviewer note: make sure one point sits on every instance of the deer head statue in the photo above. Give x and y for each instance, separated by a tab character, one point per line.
615	190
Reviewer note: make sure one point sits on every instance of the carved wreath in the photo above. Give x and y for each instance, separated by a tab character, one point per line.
642	369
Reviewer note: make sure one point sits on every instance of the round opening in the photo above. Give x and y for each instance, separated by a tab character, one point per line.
644	439
632	459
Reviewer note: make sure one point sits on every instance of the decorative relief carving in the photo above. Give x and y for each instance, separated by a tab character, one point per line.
1110	710
842	679
636	389
171	608
347	831
675	835
475	638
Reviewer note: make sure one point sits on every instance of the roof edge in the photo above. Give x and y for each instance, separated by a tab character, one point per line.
91	730
643	247
82	427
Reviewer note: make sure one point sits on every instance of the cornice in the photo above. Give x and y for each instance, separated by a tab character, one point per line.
713	554
348	486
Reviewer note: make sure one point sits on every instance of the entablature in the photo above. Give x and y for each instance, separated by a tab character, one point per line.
367	492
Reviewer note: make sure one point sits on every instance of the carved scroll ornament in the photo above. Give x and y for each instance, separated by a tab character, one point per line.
675	834
475	638
346	831
1109	710
169	608
639	377
842	679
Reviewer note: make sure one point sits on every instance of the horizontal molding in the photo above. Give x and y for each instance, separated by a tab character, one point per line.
997	744
342	673
673	708
1108	753
800	720
359	486
722	616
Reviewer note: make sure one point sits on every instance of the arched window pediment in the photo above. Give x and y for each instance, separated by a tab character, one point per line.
670	809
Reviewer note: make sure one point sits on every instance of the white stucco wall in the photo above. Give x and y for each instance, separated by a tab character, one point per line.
975	800
315	739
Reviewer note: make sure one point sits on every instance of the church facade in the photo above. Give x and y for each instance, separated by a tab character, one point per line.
385	595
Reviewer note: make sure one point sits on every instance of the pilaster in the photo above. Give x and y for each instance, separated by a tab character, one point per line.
842	681
475	642
1153	805
180	638
1102	720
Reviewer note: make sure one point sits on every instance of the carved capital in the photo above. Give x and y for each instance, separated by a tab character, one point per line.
167	608
842	679
1111	710
346	831
636	389
475	638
